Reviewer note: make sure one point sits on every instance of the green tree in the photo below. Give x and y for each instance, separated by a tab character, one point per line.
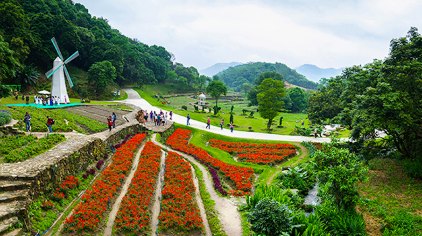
298	98
339	171
101	76
9	65
216	88
270	99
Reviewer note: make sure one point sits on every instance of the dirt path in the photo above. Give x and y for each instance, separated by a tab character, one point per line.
304	152
109	228
157	195
200	203
227	209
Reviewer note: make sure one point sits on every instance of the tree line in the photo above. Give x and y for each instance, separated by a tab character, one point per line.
384	96
111	58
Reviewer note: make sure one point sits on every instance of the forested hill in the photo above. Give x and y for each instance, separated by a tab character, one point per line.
26	27
236	76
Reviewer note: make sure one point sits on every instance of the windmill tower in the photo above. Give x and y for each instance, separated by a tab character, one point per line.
59	70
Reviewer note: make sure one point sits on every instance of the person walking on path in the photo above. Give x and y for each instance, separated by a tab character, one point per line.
113	119
187	119
231	127
171	115
109	123
208	123
221	124
50	123
27	120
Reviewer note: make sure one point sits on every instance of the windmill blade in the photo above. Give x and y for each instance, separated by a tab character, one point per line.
56	46
53	70
68	76
73	56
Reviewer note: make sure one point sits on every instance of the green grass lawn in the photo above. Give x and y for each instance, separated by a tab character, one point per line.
258	124
392	201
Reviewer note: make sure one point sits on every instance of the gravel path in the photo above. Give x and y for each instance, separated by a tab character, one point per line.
157	195
136	100
227	209
109	228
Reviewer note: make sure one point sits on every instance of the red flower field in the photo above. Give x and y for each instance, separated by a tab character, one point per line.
89	213
179	210
240	176
256	153
134	215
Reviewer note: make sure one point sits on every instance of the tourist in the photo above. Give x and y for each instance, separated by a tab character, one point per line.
158	120
231	127
222	123
171	115
146	116
16	95
316	132
151	116
187	120
109	123
113	119
55	101
50	123
27	120
208	123
65	99
163	119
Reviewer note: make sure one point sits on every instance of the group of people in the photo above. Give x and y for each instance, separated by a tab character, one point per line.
208	126
111	121
49	100
159	118
27	120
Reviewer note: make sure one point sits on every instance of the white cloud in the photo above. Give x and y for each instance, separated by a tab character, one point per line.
326	33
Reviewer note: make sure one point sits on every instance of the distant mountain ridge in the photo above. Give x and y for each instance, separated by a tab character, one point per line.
217	68
315	73
236	76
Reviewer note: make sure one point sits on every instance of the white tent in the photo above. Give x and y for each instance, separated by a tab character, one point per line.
44	92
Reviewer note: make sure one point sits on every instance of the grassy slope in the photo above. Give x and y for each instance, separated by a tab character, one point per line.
391	199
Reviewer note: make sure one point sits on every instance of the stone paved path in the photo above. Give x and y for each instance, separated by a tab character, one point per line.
136	100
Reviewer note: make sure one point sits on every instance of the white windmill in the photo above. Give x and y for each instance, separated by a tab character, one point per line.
58	88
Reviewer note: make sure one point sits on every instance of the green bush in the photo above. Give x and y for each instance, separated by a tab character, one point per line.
34	148
271	218
300	177
403	223
5	117
309	225
10	143
184	107
272	192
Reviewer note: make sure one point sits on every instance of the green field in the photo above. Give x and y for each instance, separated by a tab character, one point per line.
242	122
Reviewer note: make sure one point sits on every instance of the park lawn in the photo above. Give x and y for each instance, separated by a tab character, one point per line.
391	201
257	124
200	139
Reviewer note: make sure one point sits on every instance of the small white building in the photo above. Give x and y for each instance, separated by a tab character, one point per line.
202	99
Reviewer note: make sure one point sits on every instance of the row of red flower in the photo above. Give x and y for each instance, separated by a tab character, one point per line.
134	215
241	176
179	210
89	213
256	153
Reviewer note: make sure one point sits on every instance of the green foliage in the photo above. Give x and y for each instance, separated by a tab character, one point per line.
216	88
275	193
249	74
101	79
5	117
299	99
339	171
269	217
270	99
300	177
34	148
341	222
403	223
10	143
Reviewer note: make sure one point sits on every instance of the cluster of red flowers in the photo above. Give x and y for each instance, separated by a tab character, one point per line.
256	153
240	176
134	215
89	213
70	182
179	210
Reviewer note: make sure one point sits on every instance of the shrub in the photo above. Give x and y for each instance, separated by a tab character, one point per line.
184	107
5	117
281	196
271	218
300	177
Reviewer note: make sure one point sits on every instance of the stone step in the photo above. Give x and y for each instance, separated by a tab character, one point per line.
16	232
17	195
11	209
12	185
5	224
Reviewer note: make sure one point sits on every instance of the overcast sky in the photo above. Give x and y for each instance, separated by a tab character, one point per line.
327	33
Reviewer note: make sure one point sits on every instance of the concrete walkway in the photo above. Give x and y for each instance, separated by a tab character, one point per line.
136	100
